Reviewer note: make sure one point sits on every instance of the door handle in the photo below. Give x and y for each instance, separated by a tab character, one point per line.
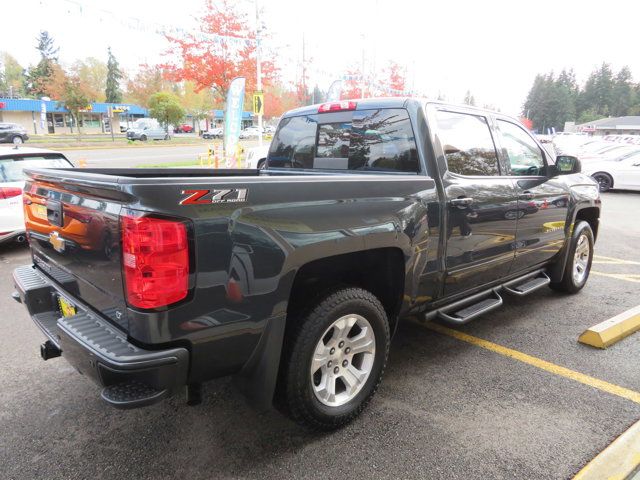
461	202
526	195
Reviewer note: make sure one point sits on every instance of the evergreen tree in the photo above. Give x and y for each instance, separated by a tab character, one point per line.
113	93
623	93
39	76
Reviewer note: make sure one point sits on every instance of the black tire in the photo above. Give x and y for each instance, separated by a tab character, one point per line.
513	214
143	138
17	140
262	164
296	395
605	182
569	284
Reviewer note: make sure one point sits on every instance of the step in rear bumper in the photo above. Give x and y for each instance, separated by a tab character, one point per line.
94	346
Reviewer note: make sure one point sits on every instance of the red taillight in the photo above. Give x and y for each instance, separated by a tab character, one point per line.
9	192
155	261
337	106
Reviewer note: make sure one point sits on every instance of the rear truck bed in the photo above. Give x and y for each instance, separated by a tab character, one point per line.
228	251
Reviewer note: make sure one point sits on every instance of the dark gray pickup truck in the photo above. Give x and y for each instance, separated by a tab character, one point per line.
293	278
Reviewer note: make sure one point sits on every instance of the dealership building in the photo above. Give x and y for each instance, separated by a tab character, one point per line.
50	117
629	125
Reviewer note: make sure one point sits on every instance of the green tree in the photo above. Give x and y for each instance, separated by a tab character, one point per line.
75	99
113	93
93	76
39	76
623	93
166	108
12	76
598	94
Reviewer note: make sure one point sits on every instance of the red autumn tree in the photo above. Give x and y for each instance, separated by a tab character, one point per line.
393	81
352	85
224	48
278	99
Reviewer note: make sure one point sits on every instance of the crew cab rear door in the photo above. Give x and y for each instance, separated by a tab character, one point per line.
481	204
542	200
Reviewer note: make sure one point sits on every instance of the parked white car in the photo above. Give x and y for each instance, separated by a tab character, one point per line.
216	132
12	163
256	157
250	132
624	174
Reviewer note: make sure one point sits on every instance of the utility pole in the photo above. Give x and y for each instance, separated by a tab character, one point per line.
362	70
258	68
304	69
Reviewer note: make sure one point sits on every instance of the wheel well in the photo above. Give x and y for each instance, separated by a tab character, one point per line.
591	215
380	271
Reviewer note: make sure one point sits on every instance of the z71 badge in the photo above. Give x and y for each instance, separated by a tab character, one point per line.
207	197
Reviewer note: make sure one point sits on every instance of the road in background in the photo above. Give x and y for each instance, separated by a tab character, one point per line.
445	410
137	156
133	157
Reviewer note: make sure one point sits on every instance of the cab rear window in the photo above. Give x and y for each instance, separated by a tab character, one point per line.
363	140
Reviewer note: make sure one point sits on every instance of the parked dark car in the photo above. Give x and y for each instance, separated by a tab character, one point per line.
13	133
293	278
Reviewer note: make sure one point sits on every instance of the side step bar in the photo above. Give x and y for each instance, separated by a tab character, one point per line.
467	309
525	285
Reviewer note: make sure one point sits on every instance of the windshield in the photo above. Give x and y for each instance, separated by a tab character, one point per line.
11	170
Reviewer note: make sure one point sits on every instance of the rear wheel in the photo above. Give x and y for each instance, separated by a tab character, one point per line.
143	138
17	140
605	182
580	256
335	359
262	164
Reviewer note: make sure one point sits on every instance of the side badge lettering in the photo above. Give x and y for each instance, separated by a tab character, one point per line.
207	197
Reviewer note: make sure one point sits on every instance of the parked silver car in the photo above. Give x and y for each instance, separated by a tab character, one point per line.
146	132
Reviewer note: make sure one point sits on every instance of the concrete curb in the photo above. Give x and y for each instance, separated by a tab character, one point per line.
613	330
616	462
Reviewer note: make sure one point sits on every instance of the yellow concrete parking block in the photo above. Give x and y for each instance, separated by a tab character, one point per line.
613	330
616	462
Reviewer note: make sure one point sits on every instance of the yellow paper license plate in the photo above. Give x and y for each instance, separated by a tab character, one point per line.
40	211
66	308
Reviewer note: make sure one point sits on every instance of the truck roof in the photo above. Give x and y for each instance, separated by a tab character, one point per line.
380	102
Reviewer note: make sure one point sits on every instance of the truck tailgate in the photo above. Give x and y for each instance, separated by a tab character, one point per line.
74	235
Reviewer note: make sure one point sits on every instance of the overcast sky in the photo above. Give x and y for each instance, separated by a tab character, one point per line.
492	48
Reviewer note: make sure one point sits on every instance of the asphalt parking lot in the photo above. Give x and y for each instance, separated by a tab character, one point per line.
446	409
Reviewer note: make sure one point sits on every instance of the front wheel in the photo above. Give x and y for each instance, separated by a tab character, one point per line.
143	138
580	256
334	359
17	140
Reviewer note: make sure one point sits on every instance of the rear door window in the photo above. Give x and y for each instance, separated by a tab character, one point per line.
366	140
467	143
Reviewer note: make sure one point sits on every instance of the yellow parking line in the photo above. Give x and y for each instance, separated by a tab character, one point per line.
629	277
538	363
603	259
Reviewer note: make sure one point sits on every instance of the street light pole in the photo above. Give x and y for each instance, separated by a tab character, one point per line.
258	69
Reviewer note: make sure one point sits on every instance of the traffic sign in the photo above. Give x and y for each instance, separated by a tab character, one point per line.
258	103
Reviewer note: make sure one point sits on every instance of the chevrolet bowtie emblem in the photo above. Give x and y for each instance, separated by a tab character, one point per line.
56	242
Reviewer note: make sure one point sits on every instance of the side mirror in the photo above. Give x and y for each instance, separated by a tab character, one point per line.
566	164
